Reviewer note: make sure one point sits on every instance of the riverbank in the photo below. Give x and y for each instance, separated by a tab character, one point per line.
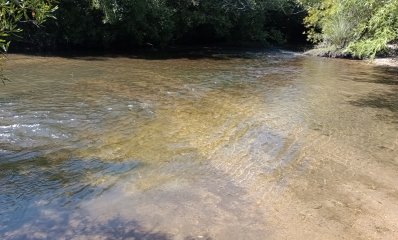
215	52
390	59
330	52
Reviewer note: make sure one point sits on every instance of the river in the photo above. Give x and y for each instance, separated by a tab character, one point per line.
246	145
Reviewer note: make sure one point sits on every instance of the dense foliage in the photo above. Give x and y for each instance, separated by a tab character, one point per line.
12	13
136	23
361	28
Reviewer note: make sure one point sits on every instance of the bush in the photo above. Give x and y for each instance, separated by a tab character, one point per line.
362	28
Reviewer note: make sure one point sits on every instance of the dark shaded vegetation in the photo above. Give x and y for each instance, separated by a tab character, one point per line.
153	24
351	28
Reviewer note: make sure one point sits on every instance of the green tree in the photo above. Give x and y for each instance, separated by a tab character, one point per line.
362	28
13	12
380	29
126	24
164	21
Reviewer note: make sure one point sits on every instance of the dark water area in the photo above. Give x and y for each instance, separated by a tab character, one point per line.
198	145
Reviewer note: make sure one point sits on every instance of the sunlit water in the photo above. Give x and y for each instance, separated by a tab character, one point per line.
217	146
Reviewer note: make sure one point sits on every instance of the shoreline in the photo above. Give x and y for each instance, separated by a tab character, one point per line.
389	60
199	52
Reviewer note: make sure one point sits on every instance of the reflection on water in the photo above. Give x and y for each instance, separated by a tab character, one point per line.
224	146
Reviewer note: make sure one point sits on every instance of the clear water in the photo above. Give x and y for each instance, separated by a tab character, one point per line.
219	146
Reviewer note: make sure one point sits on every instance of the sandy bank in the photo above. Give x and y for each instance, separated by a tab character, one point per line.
392	61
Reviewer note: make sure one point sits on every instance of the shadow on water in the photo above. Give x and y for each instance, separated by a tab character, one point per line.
207	53
385	100
28	185
40	199
120	229
382	99
381	75
115	228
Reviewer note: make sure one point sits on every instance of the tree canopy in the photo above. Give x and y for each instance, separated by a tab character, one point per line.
360	28
136	23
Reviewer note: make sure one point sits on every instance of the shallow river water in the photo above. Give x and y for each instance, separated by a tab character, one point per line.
269	145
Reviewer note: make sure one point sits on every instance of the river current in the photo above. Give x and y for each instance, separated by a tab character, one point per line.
247	145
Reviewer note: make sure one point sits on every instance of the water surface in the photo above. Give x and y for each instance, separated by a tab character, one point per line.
218	146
